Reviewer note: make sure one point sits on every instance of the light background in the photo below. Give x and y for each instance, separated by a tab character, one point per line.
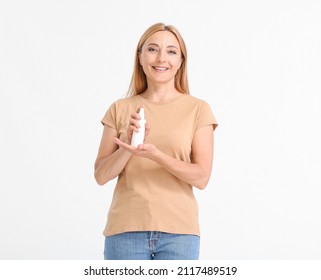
62	63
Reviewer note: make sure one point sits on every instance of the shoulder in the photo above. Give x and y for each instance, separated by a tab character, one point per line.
125	100
195	102
203	111
124	103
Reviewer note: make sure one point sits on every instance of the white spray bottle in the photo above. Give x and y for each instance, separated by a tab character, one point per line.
138	137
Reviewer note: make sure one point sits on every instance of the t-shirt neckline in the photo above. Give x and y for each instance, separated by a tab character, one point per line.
161	102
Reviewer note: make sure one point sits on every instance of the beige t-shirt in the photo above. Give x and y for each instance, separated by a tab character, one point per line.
147	197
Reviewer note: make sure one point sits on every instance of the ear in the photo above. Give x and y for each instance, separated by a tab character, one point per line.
139	57
180	63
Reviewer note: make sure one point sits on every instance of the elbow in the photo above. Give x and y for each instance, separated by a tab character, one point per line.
102	178
100	181
202	182
201	185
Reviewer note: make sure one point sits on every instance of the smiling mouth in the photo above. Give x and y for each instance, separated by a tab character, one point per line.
160	69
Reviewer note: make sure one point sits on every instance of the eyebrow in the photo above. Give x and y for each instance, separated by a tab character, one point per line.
170	46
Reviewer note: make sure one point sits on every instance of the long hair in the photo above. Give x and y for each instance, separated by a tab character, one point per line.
138	82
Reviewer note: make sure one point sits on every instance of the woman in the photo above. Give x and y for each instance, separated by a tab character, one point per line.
154	214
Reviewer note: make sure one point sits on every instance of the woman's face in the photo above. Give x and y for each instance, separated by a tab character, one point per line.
161	57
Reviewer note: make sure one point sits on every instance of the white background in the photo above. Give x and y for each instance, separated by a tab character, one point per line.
62	63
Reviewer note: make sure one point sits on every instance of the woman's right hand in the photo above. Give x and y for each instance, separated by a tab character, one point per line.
134	126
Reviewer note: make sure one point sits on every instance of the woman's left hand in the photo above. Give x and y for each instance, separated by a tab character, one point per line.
143	150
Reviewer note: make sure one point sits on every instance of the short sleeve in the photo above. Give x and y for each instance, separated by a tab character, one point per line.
205	116
110	117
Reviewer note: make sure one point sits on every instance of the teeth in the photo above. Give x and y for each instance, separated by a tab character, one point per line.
160	68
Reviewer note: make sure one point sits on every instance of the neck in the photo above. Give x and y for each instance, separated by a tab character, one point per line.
160	93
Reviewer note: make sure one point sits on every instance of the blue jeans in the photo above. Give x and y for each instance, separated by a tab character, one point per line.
151	245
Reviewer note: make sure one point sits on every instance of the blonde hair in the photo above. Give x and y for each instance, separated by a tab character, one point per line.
138	82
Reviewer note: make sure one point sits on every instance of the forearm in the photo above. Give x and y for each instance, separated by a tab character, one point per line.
197	173
107	168
191	173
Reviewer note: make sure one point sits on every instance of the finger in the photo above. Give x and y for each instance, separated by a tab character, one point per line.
134	122
147	129
124	145
141	147
135	116
133	128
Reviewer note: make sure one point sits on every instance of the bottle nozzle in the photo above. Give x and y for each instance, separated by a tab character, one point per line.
142	113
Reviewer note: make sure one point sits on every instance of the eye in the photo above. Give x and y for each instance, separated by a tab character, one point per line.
152	49
172	52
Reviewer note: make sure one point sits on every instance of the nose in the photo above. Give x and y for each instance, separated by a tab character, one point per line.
161	57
